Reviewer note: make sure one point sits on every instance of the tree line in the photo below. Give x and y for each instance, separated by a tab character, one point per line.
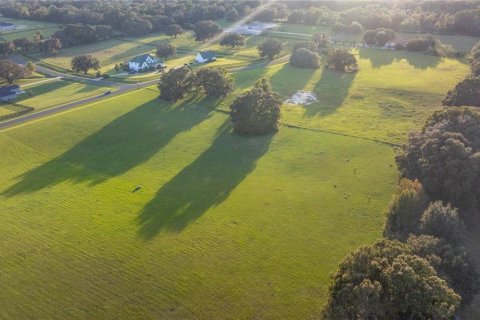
421	269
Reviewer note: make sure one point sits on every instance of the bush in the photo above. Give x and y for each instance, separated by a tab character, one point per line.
421	44
379	36
304	58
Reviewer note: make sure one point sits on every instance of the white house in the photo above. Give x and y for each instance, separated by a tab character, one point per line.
205	56
145	62
254	28
9	92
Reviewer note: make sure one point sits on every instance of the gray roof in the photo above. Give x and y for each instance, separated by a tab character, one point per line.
142	58
207	55
8	90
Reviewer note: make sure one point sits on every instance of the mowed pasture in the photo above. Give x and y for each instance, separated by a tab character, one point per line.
27	29
223	226
460	43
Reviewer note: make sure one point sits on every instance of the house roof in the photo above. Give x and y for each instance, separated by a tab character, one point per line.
142	58
7	90
207	55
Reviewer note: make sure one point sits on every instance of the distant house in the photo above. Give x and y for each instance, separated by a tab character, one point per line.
205	56
145	62
9	92
7	26
254	28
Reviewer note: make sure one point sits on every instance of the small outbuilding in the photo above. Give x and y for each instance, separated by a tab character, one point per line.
205	56
145	62
9	92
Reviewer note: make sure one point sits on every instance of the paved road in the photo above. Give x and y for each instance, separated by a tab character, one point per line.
121	88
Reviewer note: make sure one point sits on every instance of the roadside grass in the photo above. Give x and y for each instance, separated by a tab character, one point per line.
223	226
57	92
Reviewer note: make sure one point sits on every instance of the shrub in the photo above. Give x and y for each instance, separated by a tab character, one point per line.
304	58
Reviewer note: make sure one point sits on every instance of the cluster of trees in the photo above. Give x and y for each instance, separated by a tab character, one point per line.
233	39
378	37
206	29
305	54
75	34
353	28
424	43
421	269
84	63
416	16
131	18
254	112
467	92
12	72
341	60
176	83
25	45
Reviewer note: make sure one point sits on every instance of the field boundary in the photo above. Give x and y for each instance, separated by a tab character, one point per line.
17	108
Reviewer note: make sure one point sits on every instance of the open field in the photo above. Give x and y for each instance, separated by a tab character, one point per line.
270	213
27	29
56	92
458	42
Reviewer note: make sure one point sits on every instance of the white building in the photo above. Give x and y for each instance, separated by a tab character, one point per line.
145	62
205	56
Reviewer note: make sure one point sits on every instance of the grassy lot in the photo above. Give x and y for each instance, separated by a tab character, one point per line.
26	29
223	227
458	42
57	92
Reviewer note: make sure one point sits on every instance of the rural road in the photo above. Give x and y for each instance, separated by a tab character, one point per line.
121	88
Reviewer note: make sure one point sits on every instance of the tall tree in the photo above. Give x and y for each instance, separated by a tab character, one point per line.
174	30
176	83
205	30
270	48
84	63
214	81
12	72
233	39
341	60
166	50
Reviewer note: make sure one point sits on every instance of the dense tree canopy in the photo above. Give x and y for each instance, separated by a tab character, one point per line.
174	30
256	111
205	30
270	48
445	156
12	72
379	36
165	50
442	222
341	60
233	39
387	281
465	93
214	81
304	58
84	63
176	83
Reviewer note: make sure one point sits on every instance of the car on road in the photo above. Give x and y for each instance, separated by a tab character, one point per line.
108	92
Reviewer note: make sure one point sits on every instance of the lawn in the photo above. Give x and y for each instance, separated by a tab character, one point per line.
223	227
458	42
57	92
27	29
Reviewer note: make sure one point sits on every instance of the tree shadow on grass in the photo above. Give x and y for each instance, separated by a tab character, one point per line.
116	148
205	183
331	90
289	80
379	58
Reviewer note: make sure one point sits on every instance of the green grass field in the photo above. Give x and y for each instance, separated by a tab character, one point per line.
224	226
56	92
458	42
27	29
